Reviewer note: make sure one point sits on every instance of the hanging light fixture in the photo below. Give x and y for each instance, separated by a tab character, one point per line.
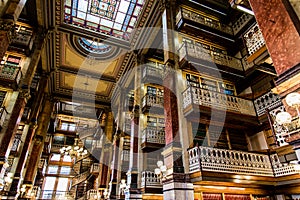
74	150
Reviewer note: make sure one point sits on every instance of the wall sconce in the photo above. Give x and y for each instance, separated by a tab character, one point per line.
293	100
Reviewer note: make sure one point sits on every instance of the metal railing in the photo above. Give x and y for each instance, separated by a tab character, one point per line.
153	100
151	135
153	71
199	52
203	97
204	20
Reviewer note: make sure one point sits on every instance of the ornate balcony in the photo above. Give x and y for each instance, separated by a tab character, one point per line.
10	75
16	145
197	100
23	39
152	138
152	102
151	183
3	113
207	159
151	72
197	54
267	101
187	15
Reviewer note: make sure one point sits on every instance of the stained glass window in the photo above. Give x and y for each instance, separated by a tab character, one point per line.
112	17
93	46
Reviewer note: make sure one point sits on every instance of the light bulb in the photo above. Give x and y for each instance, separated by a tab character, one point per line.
283	118
163	168
160	163
157	171
293	99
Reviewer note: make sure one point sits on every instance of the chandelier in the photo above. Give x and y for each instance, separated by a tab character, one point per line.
75	150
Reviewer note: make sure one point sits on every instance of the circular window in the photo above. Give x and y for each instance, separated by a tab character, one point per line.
93	46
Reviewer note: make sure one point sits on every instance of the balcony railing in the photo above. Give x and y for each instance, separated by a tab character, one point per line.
152	71
150	135
95	168
202	97
53	194
204	20
10	73
187	50
150	179
237	162
16	145
267	101
254	39
152	101
3	113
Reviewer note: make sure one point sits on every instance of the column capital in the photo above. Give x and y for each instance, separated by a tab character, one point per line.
165	4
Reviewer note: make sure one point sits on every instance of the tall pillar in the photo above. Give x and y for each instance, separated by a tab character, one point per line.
18	176
176	184
133	171
106	153
114	182
281	30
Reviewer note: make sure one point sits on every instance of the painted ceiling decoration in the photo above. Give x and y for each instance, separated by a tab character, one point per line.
115	18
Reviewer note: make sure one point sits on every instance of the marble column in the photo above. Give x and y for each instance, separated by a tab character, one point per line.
281	30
